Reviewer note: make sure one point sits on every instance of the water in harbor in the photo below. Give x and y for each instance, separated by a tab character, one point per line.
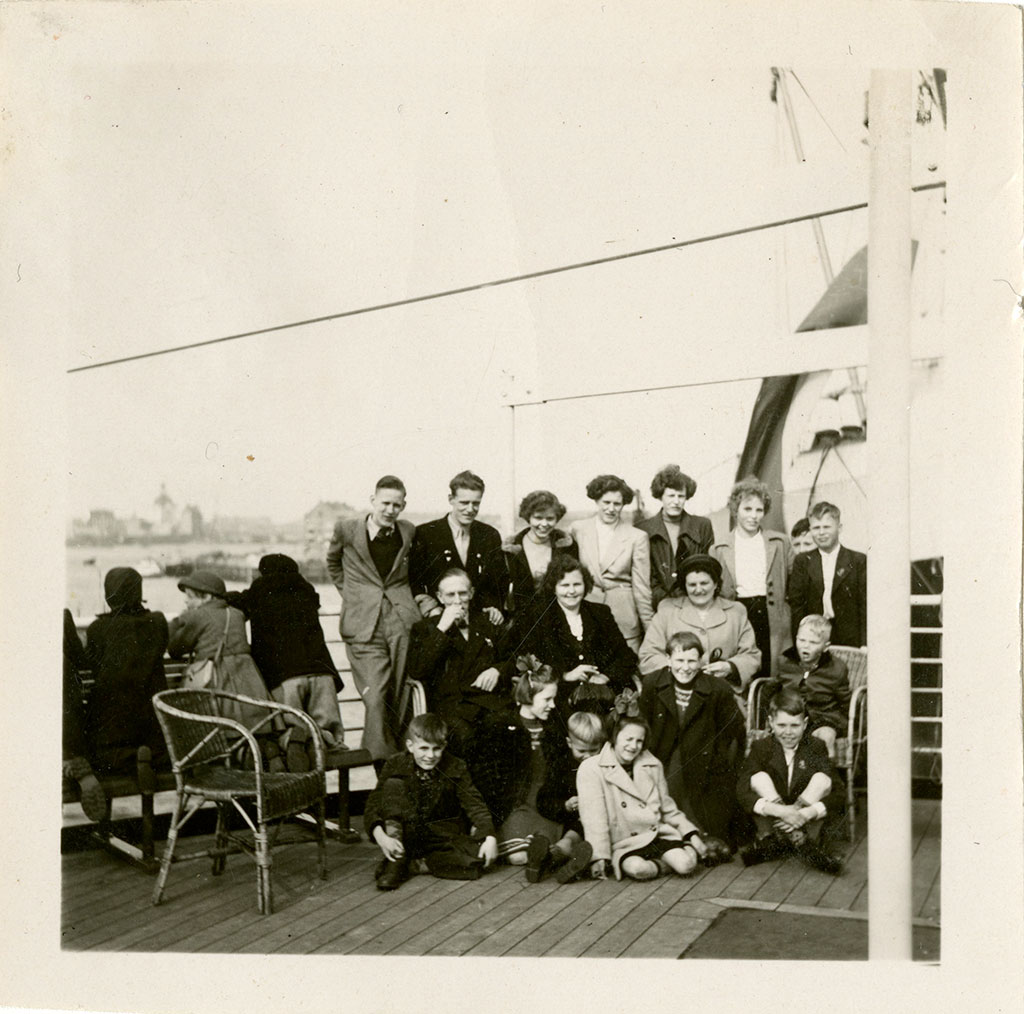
86	565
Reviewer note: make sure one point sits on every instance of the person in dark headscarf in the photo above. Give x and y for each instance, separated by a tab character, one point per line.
288	645
125	650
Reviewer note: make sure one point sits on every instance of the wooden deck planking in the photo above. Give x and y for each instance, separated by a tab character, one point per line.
626	932
749	882
844	889
714	882
442	919
667	938
587	897
324	923
106	905
546	901
810	887
234	934
491	921
627	896
380	914
225	925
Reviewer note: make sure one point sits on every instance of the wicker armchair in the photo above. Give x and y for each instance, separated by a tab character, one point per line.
850	748
202	745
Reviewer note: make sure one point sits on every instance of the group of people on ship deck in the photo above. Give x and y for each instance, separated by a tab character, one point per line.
585	687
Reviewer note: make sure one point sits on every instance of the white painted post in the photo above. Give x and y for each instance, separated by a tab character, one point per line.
889	313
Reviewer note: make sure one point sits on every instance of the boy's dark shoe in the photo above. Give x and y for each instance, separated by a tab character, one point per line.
717	852
538	857
393	875
771	846
582	854
814	855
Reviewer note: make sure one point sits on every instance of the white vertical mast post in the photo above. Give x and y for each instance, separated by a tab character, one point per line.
889	803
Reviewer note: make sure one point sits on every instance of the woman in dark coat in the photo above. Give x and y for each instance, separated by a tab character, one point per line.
125	649
580	640
288	645
529	553
698	734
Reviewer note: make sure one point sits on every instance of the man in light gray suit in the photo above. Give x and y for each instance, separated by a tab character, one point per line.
368	561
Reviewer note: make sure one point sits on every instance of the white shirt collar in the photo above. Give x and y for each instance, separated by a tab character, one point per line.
372	527
457	529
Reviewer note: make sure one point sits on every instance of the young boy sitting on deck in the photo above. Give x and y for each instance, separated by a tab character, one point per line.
819	678
557	800
784	782
425	806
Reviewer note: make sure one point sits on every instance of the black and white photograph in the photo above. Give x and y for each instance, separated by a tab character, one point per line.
521	483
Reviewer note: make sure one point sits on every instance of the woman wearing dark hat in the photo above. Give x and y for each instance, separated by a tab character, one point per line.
206	624
125	650
721	625
289	648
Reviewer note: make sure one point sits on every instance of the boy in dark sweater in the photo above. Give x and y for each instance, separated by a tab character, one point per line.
557	800
821	680
425	806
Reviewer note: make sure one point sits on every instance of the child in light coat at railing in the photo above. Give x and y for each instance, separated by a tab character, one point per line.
629	818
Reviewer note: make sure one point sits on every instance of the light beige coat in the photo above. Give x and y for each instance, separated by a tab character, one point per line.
622	577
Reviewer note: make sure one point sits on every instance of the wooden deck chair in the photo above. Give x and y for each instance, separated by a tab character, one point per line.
202	743
849	748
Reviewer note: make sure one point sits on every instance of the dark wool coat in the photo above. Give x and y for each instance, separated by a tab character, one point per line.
559	784
547	635
125	651
287	639
433	552
523	596
447	664
702	755
695	536
500	758
849	594
825	688
767	755
450	807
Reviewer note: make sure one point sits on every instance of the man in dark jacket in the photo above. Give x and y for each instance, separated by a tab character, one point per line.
459	540
455	657
831	580
288	644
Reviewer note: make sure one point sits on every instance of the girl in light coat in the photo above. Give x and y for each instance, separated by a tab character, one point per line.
628	816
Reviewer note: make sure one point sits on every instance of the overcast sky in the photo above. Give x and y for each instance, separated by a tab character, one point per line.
207	198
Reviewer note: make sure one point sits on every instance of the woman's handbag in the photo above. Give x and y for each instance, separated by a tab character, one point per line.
202	673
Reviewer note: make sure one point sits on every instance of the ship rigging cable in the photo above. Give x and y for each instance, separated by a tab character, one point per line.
542	273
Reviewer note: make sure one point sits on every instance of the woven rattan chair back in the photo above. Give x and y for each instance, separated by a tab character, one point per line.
190	740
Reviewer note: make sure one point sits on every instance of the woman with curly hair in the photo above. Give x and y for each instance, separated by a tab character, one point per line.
619	557
528	553
579	639
675	535
755	564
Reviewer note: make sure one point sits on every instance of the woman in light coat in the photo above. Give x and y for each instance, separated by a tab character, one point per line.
628	816
755	565
721	624
618	556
